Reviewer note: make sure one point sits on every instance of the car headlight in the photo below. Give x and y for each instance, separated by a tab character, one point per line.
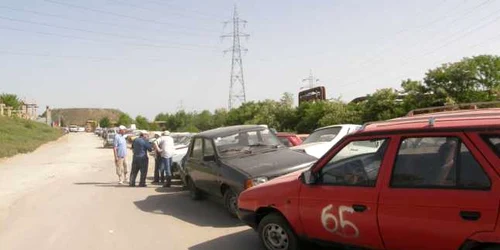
255	181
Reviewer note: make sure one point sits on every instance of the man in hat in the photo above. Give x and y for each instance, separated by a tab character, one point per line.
167	150
140	162
157	174
120	153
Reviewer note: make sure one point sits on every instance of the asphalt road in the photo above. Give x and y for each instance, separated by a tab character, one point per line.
65	196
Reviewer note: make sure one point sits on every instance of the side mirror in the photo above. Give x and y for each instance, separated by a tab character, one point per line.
308	177
209	158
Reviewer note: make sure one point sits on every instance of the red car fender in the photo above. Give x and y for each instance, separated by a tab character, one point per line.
281	195
486	237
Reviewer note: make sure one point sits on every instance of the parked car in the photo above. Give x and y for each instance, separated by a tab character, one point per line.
109	141
303	137
322	139
98	131
73	128
428	182
225	161
81	129
289	139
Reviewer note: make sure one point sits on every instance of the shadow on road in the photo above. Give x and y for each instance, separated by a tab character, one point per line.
205	213
244	240
102	184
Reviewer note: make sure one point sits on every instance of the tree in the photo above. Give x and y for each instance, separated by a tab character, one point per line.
10	100
142	122
104	122
469	80
125	120
382	105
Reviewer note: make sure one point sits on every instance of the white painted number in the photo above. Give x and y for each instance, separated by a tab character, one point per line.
327	216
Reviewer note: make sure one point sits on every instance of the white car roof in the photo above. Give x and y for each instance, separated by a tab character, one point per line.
339	125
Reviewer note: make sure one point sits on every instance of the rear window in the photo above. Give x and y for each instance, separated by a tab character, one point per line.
494	142
437	162
323	135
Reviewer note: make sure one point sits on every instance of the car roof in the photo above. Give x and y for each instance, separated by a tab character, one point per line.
460	119
230	130
285	134
338	125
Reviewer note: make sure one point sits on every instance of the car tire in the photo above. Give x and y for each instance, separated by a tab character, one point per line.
275	233
231	202
194	192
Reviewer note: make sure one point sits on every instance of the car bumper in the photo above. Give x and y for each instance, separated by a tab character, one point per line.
249	217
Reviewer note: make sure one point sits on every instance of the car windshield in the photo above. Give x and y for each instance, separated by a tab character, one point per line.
323	135
181	139
246	142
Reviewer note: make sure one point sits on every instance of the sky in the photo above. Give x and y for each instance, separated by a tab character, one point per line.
150	56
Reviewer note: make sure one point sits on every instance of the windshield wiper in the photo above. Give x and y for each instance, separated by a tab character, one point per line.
264	145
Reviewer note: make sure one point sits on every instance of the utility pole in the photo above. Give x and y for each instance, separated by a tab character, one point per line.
311	79
237	93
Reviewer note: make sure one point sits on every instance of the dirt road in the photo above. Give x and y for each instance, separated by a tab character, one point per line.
65	196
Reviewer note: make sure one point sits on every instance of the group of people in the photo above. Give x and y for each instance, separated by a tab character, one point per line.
163	146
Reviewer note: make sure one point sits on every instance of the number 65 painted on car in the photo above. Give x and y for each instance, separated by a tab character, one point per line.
327	215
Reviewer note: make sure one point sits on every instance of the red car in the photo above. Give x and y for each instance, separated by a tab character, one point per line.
289	139
423	182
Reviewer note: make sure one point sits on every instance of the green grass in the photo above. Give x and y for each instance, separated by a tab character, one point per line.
23	136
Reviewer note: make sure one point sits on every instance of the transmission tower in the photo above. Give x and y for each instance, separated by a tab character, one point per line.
311	79
237	93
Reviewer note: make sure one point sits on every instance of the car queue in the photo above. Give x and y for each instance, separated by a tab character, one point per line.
425	181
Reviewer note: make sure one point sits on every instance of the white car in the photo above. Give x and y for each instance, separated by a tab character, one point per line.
73	128
81	129
322	139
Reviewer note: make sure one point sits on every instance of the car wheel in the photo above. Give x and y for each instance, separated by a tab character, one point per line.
194	192
231	202
275	233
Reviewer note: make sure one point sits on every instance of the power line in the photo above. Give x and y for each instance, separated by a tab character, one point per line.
94	40
408	59
92	58
121	15
237	94
116	25
189	10
97	32
136	6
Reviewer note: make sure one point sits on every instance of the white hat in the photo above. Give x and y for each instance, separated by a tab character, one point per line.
122	127
166	132
157	133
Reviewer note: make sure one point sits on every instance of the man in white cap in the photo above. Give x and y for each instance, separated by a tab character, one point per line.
120	152
156	147
167	150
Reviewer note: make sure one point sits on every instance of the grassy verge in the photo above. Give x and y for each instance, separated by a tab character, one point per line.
23	136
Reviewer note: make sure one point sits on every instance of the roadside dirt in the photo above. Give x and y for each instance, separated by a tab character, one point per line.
65	196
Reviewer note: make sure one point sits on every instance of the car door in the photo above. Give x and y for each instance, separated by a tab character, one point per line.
211	168
341	206
440	192
194	162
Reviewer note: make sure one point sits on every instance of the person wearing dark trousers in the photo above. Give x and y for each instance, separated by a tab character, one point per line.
140	160
158	173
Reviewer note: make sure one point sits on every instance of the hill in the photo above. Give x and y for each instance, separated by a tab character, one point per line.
23	136
80	116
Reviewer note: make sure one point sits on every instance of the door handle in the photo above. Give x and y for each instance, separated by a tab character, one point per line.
354	149
470	215
359	208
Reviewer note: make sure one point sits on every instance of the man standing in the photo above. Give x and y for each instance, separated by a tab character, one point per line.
167	151
156	178
120	152
140	162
